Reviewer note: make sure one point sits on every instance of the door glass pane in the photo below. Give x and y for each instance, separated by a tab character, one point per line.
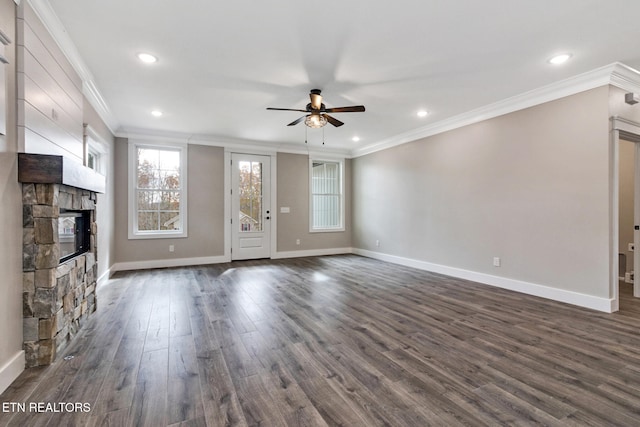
250	193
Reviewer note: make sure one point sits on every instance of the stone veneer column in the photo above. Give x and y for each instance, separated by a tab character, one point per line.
57	298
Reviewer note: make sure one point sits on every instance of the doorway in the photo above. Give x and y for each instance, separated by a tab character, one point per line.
626	206
250	206
626	216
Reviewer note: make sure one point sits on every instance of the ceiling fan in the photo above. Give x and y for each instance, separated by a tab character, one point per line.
318	116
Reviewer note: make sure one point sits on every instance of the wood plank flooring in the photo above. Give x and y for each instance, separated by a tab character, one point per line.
336	341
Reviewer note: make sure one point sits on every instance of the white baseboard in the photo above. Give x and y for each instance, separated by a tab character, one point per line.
161	263
11	370
312	252
607	305
104	277
184	262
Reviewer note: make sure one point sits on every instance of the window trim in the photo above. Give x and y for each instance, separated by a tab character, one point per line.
340	163
94	145
134	233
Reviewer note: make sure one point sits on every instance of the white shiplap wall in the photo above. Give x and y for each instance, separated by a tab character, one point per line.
49	92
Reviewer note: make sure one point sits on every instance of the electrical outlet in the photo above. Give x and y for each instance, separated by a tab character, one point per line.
297	241
377	243
496	261
171	248
631	247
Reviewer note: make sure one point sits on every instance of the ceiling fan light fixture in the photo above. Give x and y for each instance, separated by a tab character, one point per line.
315	121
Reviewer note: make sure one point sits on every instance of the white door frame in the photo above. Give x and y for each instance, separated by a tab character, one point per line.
629	131
227	198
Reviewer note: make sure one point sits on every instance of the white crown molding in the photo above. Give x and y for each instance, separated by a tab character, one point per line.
616	74
625	77
52	23
230	144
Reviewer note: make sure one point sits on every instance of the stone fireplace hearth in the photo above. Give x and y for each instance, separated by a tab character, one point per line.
58	297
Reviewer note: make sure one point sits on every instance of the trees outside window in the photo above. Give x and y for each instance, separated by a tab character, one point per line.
158	190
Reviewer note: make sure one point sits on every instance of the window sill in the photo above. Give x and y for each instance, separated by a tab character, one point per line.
327	230
164	235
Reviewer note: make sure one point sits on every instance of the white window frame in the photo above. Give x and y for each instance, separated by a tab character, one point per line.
94	146
134	233
341	226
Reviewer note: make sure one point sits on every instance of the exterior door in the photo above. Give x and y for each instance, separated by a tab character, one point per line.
250	206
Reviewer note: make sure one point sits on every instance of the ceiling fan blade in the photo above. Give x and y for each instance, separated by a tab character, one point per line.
295	122
316	99
333	120
286	109
353	109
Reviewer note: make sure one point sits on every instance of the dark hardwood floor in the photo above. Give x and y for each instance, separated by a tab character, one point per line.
340	340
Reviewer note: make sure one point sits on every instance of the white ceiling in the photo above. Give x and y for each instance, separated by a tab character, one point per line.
221	63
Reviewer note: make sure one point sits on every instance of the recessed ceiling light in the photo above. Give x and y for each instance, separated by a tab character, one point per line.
560	59
355	139
156	113
147	58
422	113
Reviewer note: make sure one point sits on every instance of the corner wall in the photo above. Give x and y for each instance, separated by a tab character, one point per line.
293	192
106	201
205	243
530	187
11	355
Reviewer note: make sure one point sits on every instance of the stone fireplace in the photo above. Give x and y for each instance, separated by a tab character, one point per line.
58	296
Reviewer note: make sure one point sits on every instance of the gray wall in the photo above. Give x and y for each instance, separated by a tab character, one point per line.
105	205
293	192
10	217
205	209
531	187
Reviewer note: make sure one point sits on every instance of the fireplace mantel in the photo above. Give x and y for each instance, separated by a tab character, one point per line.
50	169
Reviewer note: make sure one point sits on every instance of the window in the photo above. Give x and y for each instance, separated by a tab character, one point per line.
327	195
95	150
157	190
93	160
